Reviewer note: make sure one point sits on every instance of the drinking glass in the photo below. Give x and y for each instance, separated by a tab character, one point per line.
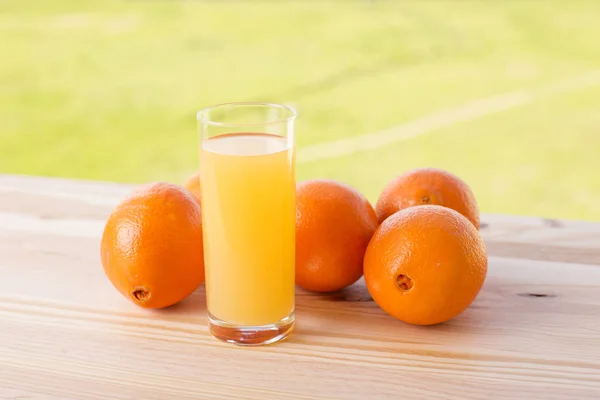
248	196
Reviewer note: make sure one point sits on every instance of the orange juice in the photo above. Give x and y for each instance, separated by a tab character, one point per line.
249	215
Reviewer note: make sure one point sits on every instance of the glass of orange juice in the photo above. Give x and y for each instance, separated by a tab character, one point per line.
247	180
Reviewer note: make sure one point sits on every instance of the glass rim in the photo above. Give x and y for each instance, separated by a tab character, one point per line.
207	121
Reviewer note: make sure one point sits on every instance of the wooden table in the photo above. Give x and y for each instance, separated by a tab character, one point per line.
65	333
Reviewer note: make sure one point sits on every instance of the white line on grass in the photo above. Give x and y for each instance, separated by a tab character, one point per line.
337	148
443	119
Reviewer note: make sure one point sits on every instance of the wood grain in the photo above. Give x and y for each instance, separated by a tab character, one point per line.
65	333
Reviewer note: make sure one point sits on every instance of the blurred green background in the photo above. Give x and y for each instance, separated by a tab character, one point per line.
108	90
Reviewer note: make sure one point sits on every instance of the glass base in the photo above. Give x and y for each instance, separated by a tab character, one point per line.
251	335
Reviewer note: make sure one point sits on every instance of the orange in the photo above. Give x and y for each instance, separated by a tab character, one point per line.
334	224
151	248
193	184
425	264
427	186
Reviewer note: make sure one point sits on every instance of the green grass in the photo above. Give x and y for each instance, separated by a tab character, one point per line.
109	90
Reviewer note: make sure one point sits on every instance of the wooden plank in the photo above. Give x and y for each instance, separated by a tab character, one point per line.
65	333
32	204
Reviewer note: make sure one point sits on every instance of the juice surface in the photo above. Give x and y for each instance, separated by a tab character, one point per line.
249	216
